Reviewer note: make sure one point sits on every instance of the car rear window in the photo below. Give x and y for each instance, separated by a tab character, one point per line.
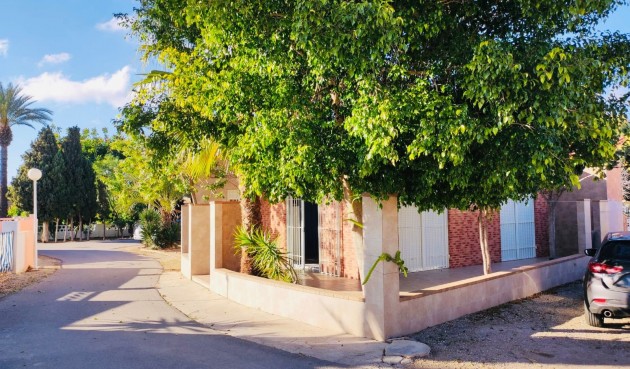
616	250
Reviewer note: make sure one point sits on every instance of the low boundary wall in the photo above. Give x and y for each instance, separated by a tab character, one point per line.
343	313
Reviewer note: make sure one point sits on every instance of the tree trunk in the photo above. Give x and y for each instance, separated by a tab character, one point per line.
104	230
56	228
65	232
251	218
483	241
72	232
4	205
45	232
80	228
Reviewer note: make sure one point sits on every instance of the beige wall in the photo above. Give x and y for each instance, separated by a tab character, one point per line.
342	313
484	292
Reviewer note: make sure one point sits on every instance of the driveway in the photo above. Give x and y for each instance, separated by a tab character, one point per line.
101	311
545	331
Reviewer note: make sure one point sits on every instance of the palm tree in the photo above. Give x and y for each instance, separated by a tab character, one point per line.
15	109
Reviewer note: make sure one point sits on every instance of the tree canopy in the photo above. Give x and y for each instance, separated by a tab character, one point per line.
444	103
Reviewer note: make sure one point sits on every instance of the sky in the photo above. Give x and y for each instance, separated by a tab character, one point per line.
73	58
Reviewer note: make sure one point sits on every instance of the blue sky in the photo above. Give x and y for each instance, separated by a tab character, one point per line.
73	59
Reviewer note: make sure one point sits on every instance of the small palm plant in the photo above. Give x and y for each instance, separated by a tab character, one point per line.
267	259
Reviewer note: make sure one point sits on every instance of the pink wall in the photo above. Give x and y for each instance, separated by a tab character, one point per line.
614	187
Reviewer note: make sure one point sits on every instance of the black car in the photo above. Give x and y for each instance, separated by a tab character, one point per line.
607	280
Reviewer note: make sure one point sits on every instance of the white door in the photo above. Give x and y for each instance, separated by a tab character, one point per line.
423	239
295	232
518	239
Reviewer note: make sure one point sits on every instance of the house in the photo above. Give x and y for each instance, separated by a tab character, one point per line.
585	215
321	240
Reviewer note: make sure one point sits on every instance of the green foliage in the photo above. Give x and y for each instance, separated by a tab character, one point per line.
267	259
385	257
155	232
15	109
80	177
41	155
151	226
437	102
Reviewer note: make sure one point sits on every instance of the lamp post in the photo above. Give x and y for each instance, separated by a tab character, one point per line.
35	174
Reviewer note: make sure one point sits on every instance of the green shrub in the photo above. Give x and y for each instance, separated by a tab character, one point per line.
155	233
267	259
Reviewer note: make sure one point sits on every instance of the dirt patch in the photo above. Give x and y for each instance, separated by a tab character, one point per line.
170	258
547	330
11	283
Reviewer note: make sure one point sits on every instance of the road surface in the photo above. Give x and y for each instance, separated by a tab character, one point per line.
101	311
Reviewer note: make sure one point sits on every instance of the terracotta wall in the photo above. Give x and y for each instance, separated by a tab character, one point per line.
330	237
349	264
463	239
541	227
274	220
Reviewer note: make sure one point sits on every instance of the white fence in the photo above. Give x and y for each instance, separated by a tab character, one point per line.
96	231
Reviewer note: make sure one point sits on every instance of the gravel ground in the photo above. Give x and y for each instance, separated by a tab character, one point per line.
544	331
11	283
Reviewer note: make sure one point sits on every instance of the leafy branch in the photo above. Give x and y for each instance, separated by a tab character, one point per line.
387	257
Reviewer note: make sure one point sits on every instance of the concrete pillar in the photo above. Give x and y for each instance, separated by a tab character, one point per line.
185	219
604	224
199	239
185	243
216	236
380	235
585	241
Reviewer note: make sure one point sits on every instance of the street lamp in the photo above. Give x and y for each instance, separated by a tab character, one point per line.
35	174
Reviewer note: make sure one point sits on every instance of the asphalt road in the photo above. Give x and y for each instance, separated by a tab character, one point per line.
101	311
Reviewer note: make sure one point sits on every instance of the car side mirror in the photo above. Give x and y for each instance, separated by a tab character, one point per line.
590	252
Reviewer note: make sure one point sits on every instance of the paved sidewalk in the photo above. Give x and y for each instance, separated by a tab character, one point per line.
221	314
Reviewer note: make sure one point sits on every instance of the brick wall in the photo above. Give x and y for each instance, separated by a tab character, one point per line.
274	221
541	219
463	239
349	264
330	236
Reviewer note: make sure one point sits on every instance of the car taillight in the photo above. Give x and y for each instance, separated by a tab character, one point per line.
603	268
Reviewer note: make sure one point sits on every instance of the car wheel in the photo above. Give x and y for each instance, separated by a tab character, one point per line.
594	320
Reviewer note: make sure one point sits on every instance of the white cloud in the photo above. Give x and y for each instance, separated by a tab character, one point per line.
54	59
111	25
113	89
4	47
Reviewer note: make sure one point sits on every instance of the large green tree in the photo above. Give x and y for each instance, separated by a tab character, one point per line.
15	109
40	155
461	104
63	198
81	179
